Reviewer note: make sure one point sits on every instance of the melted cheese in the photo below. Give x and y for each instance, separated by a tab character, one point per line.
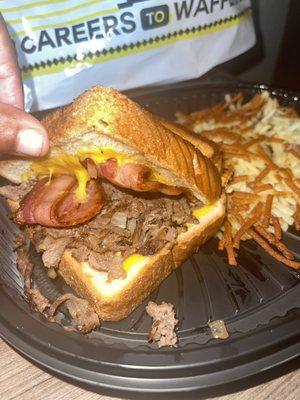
100	154
134	260
134	263
67	164
203	211
156	176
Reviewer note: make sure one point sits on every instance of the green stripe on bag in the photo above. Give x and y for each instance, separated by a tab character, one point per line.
54	13
69	22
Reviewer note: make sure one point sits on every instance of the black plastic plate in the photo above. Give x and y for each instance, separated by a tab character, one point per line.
259	300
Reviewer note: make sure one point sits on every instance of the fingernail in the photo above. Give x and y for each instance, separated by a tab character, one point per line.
30	142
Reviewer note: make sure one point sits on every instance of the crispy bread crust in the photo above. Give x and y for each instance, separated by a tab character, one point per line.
125	301
121	303
207	147
109	112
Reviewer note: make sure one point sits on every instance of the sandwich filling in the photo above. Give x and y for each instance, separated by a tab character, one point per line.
130	226
109	211
68	192
105	162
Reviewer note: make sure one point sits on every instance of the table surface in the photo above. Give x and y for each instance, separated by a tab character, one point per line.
21	380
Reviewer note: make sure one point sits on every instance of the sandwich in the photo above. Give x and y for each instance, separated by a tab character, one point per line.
121	200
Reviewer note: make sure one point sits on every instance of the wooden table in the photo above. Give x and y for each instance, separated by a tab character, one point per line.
21	380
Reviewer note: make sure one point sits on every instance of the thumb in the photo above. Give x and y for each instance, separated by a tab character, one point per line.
21	133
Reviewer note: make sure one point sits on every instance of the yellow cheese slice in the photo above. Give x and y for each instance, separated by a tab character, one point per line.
67	164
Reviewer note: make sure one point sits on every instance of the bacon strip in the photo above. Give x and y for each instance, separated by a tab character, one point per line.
25	212
69	212
41	207
133	176
130	176
53	203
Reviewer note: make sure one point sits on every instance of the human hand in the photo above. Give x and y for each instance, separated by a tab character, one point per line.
20	133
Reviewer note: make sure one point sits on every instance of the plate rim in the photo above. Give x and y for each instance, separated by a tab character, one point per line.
282	356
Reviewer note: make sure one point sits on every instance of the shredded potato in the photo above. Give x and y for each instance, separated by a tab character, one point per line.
260	141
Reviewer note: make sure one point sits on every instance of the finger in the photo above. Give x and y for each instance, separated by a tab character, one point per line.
10	77
21	133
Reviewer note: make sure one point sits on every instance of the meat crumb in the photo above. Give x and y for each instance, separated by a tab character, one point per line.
163	326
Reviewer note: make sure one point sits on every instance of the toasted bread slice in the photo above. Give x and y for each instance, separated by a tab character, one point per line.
104	117
117	299
14	169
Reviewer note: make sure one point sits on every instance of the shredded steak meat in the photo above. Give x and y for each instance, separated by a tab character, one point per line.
54	251
25	267
79	309
15	192
163	326
128	223
40	302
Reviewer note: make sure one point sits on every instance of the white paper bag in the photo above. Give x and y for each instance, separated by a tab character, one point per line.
65	47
